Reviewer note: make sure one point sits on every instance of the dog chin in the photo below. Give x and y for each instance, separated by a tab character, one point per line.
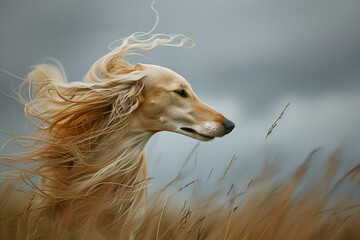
203	138
190	132
199	137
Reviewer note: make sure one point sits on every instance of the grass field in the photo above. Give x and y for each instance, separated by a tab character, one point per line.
293	208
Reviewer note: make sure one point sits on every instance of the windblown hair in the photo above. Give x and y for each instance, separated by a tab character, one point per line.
93	174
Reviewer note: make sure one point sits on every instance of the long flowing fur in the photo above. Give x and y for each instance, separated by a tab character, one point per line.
91	164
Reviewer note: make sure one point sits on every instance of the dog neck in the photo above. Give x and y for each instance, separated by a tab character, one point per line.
121	147
118	159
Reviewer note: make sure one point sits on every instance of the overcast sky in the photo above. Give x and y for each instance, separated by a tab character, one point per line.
251	58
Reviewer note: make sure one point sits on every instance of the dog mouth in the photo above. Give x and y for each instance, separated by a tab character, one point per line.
191	130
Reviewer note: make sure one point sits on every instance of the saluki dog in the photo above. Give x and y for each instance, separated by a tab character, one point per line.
88	146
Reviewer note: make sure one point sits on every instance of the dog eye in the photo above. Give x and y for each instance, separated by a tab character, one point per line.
182	93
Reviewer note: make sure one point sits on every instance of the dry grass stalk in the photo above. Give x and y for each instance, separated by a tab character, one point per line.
188	184
275	123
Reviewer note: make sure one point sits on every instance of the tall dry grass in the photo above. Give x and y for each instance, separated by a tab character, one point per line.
293	208
266	209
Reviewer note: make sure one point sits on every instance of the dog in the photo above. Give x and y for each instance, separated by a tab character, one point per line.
88	147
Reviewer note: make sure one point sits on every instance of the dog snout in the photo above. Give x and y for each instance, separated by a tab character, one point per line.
228	126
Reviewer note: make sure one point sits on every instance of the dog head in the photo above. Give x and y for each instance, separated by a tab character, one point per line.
168	103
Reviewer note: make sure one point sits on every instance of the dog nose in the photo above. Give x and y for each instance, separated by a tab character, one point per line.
228	125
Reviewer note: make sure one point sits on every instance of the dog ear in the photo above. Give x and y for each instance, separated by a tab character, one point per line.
90	108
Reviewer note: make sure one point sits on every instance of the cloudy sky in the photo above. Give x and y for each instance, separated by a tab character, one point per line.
251	58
